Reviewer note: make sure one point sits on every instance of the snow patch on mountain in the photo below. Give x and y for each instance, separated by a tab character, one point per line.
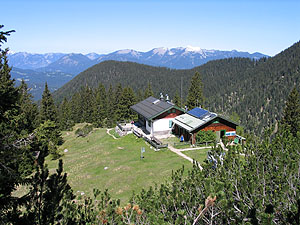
160	51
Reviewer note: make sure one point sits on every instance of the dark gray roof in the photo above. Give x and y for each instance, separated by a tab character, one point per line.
152	107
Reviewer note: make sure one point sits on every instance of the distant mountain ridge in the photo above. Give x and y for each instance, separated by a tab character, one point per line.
71	63
59	68
175	58
24	60
36	80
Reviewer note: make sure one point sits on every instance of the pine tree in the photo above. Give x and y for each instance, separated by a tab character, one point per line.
65	115
9	155
76	109
177	99
100	107
47	195
127	99
291	116
87	103
28	110
8	93
148	91
48	108
139	95
195	96
111	118
117	102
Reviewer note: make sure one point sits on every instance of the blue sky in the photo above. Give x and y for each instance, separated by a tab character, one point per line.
105	26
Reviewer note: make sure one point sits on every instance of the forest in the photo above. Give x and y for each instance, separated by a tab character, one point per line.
258	184
255	90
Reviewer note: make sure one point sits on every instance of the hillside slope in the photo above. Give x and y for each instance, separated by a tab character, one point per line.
256	90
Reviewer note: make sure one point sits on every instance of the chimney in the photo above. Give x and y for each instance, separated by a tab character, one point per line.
161	97
167	98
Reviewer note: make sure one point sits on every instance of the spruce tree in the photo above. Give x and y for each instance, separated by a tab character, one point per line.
28	110
139	95
111	120
291	116
76	109
100	107
177	100
48	108
8	93
148	91
65	115
127	99
117	102
86	103
9	155
195	96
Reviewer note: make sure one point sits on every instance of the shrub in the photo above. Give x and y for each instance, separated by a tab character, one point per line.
205	136
83	132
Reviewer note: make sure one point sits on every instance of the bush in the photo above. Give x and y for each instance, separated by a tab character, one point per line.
83	132
205	136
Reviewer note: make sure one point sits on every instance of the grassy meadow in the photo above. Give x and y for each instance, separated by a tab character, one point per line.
87	158
199	155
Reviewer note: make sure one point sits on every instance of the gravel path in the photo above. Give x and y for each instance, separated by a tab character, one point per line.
178	152
107	131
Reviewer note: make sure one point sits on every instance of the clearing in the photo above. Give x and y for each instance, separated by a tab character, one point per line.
99	161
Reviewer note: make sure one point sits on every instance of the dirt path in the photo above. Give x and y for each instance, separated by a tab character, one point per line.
107	131
183	155
191	149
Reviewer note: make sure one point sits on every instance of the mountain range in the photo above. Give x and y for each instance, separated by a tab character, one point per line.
175	58
59	68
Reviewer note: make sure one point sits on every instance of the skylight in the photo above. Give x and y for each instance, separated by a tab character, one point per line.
156	101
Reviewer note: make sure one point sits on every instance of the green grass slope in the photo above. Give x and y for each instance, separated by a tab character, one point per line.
87	157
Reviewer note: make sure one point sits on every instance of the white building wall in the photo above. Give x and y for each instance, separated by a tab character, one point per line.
162	125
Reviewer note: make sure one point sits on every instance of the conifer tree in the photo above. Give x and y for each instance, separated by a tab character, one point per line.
100	107
46	196
177	99
127	99
48	108
87	102
117	102
9	155
76	109
139	95
148	91
195	96
111	107
65	115
28	110
8	93
291	116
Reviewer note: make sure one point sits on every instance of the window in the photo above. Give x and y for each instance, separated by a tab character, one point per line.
173	110
170	123
149	123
